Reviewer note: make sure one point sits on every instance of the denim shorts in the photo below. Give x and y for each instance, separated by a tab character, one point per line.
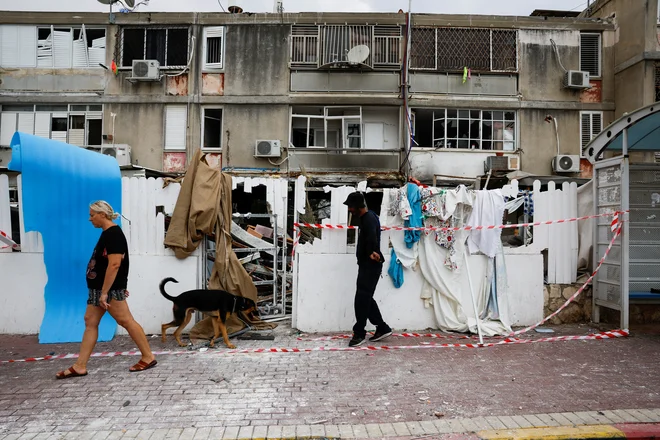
95	295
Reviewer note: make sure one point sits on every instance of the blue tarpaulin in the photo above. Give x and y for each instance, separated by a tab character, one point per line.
59	181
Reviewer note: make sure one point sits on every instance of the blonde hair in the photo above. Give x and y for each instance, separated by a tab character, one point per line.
104	208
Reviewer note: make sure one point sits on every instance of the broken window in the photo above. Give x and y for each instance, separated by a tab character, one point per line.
465	129
454	49
169	46
75	124
52	47
212	128
334	128
332	45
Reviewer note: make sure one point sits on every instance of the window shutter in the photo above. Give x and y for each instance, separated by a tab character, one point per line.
9	53
585	129
176	121
596	124
42	125
7	128
26	123
214	47
590	54
62	48
27	46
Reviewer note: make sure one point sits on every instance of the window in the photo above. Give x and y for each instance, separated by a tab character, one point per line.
176	123
326	127
453	49
590	49
591	124
51	47
212	128
321	46
80	125
214	47
465	129
167	45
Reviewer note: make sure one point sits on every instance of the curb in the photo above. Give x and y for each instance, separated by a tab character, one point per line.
557	433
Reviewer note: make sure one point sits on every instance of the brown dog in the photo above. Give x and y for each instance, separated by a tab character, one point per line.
206	301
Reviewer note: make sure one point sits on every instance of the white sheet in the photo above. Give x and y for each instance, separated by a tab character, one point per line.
487	210
448	292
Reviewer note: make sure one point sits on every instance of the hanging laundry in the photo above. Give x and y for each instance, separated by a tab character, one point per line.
399	204
396	270
415	219
465	74
487	210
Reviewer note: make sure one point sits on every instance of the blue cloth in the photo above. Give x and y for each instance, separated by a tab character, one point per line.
396	270
59	183
415	219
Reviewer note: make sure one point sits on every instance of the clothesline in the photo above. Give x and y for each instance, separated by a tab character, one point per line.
465	228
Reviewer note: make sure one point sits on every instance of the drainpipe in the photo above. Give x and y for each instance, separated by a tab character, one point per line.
405	84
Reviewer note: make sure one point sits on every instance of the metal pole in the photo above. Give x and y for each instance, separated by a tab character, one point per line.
474	301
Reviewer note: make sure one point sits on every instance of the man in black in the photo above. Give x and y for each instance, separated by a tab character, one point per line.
370	266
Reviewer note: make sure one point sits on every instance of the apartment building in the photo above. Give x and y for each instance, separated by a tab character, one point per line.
343	96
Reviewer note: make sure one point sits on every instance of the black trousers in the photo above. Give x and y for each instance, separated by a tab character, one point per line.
365	305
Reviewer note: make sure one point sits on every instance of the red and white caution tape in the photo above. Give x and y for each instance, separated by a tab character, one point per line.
616	216
508	341
617	225
6	239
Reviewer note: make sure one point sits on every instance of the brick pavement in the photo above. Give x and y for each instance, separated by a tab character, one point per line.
349	394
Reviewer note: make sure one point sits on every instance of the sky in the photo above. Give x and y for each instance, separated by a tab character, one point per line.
488	7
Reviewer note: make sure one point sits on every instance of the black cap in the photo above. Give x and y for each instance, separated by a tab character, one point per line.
355	200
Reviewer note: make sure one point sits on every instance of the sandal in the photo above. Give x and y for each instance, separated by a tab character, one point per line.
71	373
141	366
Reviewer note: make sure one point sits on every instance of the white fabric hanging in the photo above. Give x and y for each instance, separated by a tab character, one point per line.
487	210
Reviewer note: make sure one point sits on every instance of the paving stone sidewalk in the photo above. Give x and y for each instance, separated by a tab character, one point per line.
355	394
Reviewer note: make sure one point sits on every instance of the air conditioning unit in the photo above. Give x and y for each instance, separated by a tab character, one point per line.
121	152
145	70
576	79
267	148
501	163
566	163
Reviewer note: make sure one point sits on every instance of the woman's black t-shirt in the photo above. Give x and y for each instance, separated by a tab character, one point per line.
111	241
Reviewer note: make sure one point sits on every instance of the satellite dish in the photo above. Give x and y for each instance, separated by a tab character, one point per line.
358	54
129	3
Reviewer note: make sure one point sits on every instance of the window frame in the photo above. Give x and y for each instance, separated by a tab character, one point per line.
69	112
203	125
600	53
70	64
446	119
165	66
214	67
344	121
591	114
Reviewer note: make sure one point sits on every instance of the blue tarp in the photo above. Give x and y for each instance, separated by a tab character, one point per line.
59	182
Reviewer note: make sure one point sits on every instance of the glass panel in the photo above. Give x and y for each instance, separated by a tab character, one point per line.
77	122
132	46
177	47
156	45
58	124
17	108
52	108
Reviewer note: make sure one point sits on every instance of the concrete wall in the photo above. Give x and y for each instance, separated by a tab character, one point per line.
244	124
24	277
142	127
256	60
325	296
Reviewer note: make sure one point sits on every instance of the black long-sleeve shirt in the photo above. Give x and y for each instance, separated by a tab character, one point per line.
368	238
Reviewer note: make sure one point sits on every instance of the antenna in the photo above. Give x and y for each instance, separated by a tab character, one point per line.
358	54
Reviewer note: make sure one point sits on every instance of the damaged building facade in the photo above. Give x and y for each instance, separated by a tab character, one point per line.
369	96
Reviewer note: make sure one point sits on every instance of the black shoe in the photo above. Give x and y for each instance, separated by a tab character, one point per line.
356	341
381	334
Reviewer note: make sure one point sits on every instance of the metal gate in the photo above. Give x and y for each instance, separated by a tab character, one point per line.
644	246
610	285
